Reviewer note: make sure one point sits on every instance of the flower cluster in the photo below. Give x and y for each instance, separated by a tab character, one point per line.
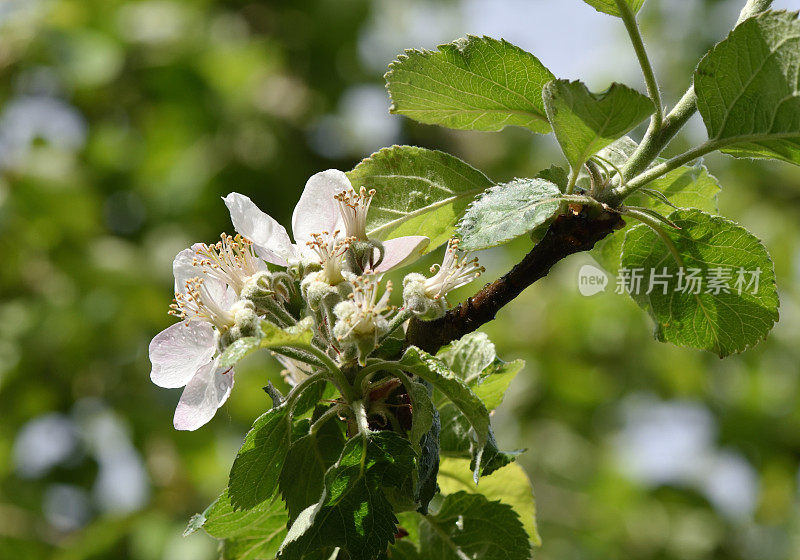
224	291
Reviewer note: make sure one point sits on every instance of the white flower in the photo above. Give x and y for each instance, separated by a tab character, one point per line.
426	296
362	318
317	211
456	270
232	260
184	353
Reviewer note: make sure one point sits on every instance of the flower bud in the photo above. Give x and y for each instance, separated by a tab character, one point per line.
365	255
416	299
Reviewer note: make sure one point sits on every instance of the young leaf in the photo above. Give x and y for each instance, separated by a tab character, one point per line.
474	83
474	359
469	355
248	535
732	306
436	373
507	211
255	471
354	512
584	122
424	411
455	441
513	488
610	6
271	336
493	458
301	480
419	192
469	526
748	92
494	381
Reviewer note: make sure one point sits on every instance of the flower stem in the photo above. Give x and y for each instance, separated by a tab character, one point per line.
397	321
337	376
629	19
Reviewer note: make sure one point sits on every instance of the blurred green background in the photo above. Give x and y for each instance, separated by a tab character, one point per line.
121	125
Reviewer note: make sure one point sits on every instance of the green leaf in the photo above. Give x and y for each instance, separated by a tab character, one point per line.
302	477
493	458
353	512
474	83
469	526
513	488
257	467
610	6
585	123
436	373
723	323
507	211
556	175
473	358
469	355
418	192
425	487
494	381
455	441
256	533
748	89
238	350
690	186
423	408
299	334
271	336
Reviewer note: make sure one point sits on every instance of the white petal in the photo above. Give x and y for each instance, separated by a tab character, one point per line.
401	251
204	394
269	237
179	351
183	269
317	210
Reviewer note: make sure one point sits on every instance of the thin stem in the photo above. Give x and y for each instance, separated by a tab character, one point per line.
360	413
337	376
402	316
327	415
367	372
623	191
298	355
285	319
298	389
655	140
573	179
629	19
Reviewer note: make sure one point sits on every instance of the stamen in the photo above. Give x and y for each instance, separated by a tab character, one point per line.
196	303
232	260
369	308
353	208
454	272
331	249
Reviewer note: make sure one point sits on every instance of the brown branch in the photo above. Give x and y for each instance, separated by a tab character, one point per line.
568	234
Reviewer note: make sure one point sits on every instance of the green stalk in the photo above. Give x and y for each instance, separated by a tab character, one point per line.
656	139
629	19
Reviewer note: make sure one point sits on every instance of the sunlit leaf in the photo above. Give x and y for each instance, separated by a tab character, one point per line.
474	83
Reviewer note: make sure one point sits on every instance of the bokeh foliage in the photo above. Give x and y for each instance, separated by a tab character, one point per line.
121	125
